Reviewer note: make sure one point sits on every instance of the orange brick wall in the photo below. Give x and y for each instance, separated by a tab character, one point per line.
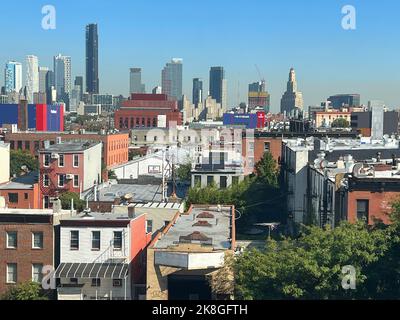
31	203
379	204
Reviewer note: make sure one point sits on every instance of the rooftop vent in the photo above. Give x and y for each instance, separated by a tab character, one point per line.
202	223
195	236
205	215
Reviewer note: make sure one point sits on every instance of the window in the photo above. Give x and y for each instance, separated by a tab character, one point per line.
95	240
46	181
154	169
61	180
12	239
46	202
61	160
73	280
25	196
37	240
74	244
46	159
11	273
223	182
37	274
96	282
117	240
149	226
19	143
13	197
362	209
76	160
197	180
235	180
267	146
27	145
76	181
210	180
117	282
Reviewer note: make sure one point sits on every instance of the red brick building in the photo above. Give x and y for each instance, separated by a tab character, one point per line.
26	245
22	192
115	145
73	167
147	111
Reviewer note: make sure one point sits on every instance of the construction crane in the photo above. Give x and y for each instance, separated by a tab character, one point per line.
262	79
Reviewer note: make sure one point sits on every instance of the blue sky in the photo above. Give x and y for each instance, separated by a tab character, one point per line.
236	34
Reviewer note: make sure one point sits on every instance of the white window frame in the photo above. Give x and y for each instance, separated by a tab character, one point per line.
59	161
7	237
48	181
44	159
40	265
58	182
76	185
33	240
16	273
73	160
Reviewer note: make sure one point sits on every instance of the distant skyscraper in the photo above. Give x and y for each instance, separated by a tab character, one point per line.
197	95
343	100
171	78
43	76
258	96
135	78
218	87
292	98
13	77
79	82
157	90
92	59
62	76
32	77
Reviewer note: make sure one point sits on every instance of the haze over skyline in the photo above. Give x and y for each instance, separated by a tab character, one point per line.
234	34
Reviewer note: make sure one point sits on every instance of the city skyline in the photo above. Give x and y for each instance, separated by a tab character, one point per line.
323	67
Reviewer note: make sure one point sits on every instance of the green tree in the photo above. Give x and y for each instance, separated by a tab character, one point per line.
25	291
340	123
66	198
310	267
112	175
267	170
19	158
183	171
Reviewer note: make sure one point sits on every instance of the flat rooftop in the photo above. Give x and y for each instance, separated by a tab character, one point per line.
97	216
69	147
203	224
140	193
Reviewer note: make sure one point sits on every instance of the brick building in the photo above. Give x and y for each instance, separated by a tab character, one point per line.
74	167
27	243
147	111
21	192
114	151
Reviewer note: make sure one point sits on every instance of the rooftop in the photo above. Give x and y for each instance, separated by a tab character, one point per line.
97	216
205	225
70	147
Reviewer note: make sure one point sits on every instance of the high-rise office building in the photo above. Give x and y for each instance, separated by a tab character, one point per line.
13	77
171	78
218	87
43	77
292	98
197	95
79	82
62	76
344	100
92	59
32	77
135	81
258	96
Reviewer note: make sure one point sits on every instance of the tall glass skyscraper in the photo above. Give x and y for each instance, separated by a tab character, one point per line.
171	79
32	77
197	95
62	76
13	77
135	81
218	90
92	59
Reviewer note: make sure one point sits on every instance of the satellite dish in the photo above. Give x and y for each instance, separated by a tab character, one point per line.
128	196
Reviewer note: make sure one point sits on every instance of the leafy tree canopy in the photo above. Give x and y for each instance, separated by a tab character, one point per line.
19	158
